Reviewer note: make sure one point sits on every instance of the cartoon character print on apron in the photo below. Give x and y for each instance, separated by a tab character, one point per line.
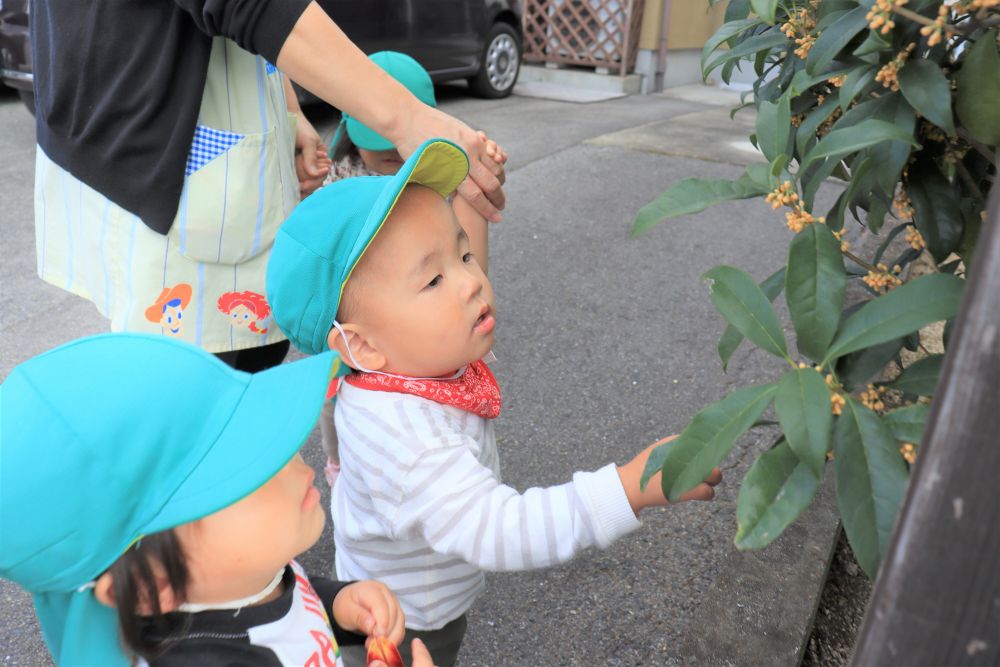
203	281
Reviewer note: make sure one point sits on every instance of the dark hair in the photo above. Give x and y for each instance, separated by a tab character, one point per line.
344	145
134	582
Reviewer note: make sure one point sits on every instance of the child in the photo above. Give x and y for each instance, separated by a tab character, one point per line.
132	496
378	268
357	150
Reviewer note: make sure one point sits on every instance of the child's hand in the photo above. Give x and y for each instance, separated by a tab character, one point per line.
631	473
369	608
497	158
311	161
421	656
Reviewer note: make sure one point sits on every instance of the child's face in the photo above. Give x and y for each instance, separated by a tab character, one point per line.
382	162
424	302
236	551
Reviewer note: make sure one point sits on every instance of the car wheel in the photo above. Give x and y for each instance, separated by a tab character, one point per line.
501	63
28	97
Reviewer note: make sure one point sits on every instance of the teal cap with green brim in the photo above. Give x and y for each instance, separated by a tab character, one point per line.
113	437
323	239
408	72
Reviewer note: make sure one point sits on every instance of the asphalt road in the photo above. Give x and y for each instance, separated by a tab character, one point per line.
605	343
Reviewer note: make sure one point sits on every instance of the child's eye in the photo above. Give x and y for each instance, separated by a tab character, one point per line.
435	282
467	257
179	314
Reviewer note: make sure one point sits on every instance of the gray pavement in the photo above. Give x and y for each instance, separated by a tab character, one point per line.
605	343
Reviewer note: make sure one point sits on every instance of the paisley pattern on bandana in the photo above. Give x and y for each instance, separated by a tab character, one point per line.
475	391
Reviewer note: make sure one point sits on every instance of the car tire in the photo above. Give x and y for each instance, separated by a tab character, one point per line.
500	64
28	97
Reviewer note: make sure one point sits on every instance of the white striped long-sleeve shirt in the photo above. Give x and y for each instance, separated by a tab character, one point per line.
419	505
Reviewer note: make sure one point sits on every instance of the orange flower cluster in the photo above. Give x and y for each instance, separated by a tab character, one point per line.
888	75
915	239
935	32
799	219
880	15
837	81
784	195
799	27
902	205
909	452
871	398
844	245
881	280
837	400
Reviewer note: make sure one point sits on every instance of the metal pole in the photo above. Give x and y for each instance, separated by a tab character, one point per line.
937	597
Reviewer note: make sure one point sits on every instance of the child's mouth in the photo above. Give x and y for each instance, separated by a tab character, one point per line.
485	323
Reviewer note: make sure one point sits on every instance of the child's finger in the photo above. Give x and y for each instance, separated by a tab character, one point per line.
701	492
421	656
714	477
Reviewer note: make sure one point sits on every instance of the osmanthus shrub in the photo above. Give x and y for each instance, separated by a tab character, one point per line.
900	101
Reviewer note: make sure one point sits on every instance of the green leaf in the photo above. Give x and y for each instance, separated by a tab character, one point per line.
907	424
692	195
857	368
978	100
744	306
805	136
773	494
772	39
926	88
725	33
853	85
842	141
736	9
814	288
892	156
802	404
687	460
920	377
765	9
774	126
834	38
873	43
937	208
731	338
920	302
859	181
871	480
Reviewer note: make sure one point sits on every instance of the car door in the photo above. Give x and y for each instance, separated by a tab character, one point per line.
445	34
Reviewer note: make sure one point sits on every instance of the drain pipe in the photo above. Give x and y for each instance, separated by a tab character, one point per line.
661	54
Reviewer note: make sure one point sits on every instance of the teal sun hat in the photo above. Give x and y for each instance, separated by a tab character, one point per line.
112	437
408	72
320	243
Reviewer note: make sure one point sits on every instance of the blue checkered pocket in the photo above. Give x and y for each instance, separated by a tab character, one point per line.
208	144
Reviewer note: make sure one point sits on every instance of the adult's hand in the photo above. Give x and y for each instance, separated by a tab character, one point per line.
319	56
483	189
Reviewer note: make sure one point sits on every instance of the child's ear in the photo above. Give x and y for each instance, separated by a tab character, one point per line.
104	591
363	349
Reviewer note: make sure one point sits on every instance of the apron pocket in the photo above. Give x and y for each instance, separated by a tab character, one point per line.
231	206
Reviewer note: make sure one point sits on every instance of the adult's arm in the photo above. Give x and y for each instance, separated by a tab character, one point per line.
319	56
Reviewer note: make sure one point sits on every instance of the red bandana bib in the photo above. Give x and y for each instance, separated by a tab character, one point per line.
475	391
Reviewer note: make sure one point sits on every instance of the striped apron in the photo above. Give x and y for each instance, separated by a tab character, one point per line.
203	282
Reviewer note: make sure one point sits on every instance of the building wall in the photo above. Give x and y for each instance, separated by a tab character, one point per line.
690	23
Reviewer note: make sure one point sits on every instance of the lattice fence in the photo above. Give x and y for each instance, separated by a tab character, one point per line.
595	33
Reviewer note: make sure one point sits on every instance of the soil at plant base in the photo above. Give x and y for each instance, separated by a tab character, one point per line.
841	608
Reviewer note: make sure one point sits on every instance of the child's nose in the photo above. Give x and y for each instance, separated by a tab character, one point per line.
473	285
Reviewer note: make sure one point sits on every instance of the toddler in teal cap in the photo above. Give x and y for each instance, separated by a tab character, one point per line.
379	269
357	150
155	520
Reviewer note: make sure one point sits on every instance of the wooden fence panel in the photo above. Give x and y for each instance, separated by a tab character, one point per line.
594	33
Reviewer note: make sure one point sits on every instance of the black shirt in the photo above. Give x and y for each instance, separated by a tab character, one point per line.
287	630
118	87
